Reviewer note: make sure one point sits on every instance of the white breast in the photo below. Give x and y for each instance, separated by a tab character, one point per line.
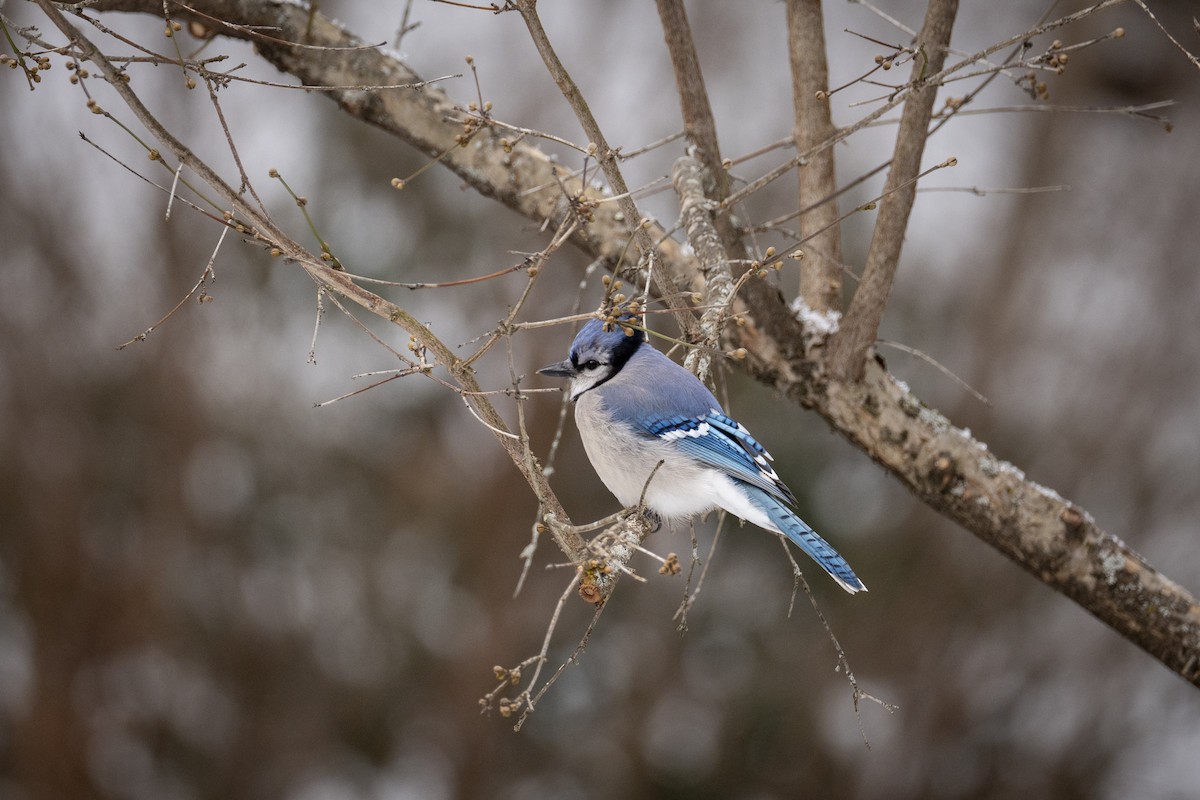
625	460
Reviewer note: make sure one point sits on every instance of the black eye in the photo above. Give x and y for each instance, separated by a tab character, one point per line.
591	364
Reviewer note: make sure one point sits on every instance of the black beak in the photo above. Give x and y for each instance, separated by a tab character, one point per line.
563	369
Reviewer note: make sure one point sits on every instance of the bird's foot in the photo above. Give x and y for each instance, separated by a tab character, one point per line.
652	519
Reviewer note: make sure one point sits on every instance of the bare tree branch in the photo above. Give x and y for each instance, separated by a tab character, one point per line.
608	161
264	229
849	345
947	469
821	270
1052	538
698	121
696	212
901	96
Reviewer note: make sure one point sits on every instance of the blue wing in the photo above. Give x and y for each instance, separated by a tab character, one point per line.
721	442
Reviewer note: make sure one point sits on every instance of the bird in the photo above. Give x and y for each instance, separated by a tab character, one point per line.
635	408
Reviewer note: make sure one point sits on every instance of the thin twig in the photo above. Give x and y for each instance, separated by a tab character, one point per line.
446	284
370	333
689	600
404	28
1187	53
312	348
174	186
494	429
508	325
886	17
246	184
843	663
565	406
550	137
928	359
1136	112
646	148
160	187
402	373
979	191
542	654
530	459
866	176
604	154
901	97
325	87
206	275
797	239
572	659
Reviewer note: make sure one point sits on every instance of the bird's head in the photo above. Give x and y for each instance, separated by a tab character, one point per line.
599	351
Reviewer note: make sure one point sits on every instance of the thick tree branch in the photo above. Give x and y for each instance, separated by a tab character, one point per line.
821	270
946	468
695	210
698	121
1052	538
848	348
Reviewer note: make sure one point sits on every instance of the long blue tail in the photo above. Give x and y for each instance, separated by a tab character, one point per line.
806	539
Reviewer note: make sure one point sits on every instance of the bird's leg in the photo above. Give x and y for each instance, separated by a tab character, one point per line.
653	520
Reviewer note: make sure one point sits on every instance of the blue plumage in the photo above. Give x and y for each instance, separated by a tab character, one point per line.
806	539
635	408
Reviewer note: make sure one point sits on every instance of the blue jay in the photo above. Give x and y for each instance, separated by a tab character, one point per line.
635	407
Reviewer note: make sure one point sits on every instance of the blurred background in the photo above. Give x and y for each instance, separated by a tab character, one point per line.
209	588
